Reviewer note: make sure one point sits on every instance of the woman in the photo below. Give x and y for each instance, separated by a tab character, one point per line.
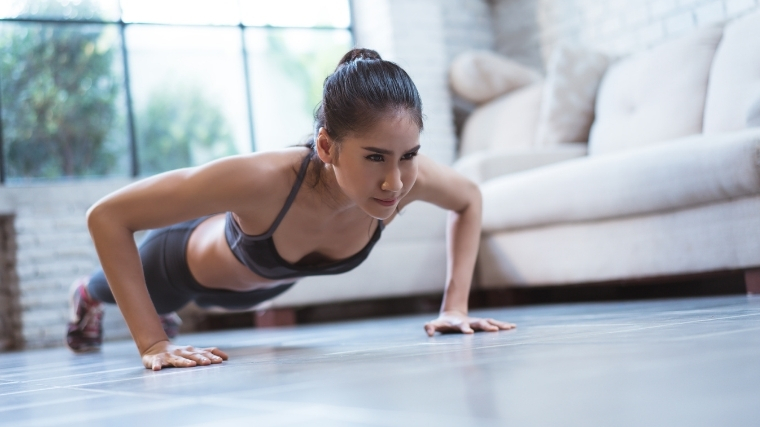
246	228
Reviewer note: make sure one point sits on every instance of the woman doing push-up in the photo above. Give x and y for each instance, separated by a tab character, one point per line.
243	229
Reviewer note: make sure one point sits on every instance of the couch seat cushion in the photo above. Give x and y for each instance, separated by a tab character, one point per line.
654	96
682	173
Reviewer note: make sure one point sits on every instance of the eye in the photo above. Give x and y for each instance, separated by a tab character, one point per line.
375	158
409	156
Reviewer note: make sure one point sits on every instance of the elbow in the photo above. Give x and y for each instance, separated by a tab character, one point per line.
93	216
100	216
475	199
477	196
473	203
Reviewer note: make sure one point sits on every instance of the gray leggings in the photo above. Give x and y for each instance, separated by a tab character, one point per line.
170	284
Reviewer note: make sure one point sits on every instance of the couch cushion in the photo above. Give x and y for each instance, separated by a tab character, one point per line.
508	121
753	115
481	76
711	237
683	173
656	95
567	106
735	77
489	164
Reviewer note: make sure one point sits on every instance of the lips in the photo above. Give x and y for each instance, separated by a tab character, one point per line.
386	202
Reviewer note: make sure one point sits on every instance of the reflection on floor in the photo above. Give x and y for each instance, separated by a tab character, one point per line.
683	362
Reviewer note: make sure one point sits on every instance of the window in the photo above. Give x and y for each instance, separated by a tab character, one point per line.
95	88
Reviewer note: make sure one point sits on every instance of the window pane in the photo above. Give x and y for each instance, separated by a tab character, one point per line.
188	92
288	68
62	100
198	12
105	10
296	13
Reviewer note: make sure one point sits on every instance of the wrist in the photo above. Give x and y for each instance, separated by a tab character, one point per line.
153	346
453	311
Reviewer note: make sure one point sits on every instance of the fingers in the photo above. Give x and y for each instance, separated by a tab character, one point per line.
502	325
213	357
184	357
179	362
445	326
429	329
484	325
216	352
196	357
204	357
491	325
166	359
466	327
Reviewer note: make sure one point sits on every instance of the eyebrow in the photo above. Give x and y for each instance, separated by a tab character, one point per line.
384	151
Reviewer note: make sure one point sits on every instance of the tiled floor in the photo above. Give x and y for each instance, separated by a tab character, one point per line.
686	362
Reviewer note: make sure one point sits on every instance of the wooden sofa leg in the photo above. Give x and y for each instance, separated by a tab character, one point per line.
276	317
752	281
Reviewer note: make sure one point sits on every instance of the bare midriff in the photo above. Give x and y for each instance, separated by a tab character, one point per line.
213	264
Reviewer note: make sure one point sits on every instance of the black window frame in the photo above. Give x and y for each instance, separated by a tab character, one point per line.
122	25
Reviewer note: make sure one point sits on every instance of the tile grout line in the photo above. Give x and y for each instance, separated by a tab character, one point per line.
74	375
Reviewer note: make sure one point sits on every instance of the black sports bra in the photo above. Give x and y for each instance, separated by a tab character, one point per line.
259	254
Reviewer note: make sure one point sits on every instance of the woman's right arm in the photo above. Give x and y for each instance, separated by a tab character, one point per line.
155	202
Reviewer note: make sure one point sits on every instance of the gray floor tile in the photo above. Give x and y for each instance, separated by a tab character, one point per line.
647	363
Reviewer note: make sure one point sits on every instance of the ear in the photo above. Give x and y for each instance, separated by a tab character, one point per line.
326	148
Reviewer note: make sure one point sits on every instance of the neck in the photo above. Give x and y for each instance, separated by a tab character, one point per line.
330	194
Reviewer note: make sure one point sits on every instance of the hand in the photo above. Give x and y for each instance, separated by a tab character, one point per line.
454	321
163	353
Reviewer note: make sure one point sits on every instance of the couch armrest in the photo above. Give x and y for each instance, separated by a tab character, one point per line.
683	173
488	164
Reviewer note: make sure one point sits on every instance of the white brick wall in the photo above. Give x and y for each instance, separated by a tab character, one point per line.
467	26
516	31
528	30
53	249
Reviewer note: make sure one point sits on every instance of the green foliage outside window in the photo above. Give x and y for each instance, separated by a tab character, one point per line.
307	69
181	126
63	98
59	92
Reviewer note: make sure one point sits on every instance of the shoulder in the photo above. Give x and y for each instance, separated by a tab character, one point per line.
257	175
259	169
233	182
442	186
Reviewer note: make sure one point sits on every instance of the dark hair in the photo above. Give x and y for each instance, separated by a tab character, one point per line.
362	88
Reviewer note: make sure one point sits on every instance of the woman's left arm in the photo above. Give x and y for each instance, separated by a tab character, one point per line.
442	186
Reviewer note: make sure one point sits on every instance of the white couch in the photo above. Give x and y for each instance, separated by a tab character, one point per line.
667	184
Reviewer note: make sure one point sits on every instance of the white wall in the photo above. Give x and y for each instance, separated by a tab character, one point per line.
527	30
53	249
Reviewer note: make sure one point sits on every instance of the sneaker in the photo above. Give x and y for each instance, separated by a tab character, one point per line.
85	329
171	323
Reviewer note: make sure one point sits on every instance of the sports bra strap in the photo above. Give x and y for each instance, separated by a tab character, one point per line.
291	197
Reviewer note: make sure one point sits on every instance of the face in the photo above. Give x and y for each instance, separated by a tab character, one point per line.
377	168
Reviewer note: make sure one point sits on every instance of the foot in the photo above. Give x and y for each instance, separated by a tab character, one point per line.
171	323
85	331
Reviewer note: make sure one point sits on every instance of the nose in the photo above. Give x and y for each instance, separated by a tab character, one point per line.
392	181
